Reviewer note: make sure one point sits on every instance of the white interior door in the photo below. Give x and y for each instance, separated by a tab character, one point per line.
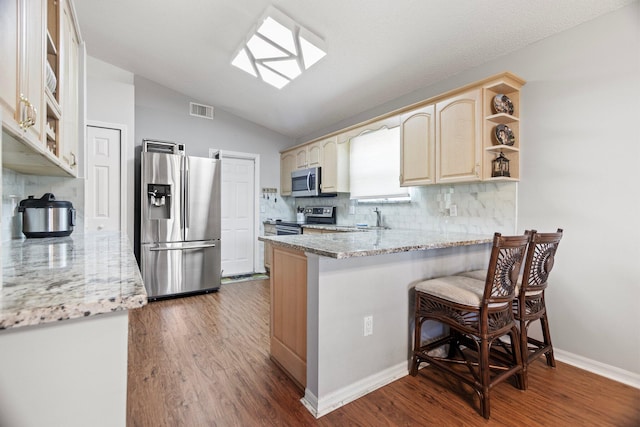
102	206
238	216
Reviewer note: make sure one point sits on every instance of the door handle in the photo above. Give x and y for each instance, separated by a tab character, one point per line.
309	181
186	197
183	248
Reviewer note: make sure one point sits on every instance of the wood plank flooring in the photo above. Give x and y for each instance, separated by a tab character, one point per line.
204	361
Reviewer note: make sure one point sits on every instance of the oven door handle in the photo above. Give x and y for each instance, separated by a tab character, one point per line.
309	181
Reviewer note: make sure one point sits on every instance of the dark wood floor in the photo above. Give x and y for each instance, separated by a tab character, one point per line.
203	361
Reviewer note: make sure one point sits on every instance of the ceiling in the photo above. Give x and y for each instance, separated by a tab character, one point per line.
377	50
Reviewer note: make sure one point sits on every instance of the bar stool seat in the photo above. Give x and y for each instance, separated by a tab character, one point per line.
458	289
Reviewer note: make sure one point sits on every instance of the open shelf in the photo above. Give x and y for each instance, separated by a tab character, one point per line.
492	148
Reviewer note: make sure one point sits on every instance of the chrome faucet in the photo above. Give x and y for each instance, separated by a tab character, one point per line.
378	217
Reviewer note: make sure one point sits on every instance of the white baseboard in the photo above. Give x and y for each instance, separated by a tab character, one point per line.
602	369
341	397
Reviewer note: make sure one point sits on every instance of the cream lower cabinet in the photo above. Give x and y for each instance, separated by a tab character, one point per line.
459	138
417	147
269	230
289	312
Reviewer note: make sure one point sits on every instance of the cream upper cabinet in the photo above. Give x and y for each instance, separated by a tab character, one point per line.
69	97
417	147
445	139
31	69
302	160
40	85
335	169
314	155
9	62
459	138
287	165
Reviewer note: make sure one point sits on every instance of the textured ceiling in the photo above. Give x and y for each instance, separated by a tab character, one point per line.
377	49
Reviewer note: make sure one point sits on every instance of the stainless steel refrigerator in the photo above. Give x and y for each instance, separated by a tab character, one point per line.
179	221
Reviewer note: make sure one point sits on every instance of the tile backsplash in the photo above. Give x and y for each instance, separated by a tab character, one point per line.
478	207
17	186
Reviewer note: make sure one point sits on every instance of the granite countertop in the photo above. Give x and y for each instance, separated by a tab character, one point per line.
53	279
378	242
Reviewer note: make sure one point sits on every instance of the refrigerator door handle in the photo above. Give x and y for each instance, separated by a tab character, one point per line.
186	198
182	247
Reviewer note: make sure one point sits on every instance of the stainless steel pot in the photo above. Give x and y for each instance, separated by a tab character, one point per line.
46	216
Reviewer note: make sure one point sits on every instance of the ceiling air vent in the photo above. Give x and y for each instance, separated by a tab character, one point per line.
200	110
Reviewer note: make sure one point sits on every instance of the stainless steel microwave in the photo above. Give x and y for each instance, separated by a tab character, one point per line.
305	182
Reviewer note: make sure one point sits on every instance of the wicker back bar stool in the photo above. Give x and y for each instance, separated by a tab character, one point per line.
529	304
477	314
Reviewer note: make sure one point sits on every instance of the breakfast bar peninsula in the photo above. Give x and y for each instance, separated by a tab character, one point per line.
341	305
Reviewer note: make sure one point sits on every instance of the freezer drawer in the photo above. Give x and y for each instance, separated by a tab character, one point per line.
177	268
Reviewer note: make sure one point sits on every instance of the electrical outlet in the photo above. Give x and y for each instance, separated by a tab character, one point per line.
368	326
453	210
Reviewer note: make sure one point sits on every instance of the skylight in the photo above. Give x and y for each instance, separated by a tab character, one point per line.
279	50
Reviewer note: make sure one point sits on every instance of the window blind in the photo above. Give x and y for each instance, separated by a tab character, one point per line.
374	168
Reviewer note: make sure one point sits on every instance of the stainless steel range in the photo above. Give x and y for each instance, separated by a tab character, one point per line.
312	215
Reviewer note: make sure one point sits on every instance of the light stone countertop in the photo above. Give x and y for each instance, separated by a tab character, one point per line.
59	278
379	242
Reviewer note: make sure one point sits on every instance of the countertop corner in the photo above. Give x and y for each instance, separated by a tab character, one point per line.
59	278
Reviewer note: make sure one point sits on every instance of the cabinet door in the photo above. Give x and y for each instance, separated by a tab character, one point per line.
335	165
417	147
69	88
287	165
301	158
267	256
9	62
459	138
314	152
289	312
330	166
31	64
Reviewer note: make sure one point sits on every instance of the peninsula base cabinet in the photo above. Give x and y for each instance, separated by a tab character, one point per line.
72	373
289	312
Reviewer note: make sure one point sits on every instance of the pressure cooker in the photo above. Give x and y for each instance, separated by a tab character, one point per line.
46	216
